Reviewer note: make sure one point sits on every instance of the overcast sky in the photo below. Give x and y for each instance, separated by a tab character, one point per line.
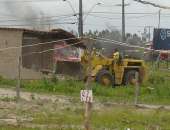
135	23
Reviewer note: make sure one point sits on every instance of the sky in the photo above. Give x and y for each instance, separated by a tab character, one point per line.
107	15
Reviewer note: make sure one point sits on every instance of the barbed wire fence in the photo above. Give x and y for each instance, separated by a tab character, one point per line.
19	79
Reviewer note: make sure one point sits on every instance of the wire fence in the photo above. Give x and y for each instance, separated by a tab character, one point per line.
133	95
156	91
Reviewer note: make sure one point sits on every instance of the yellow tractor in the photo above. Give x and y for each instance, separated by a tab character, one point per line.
108	72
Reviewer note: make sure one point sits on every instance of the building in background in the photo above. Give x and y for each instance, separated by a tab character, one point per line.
33	63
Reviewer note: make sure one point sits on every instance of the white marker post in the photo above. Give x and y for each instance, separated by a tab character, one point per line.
86	96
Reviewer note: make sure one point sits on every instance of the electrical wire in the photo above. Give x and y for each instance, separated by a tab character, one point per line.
37	44
103	17
120	13
118	18
96	39
92	24
89	13
22	25
48	50
114	42
125	44
28	1
71	6
33	18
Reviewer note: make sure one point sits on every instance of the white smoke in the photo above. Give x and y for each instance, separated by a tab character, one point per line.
25	14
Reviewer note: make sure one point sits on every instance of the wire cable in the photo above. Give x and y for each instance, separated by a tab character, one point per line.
45	51
28	1
125	44
117	13
19	47
22	25
36	18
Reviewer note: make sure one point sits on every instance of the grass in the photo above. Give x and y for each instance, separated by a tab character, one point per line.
121	118
115	118
24	128
156	90
7	82
16	128
8	99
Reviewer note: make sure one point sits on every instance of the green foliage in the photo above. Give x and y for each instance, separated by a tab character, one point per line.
122	118
156	78
156	90
68	87
116	117
7	82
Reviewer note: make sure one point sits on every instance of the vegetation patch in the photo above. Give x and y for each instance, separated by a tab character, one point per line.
156	90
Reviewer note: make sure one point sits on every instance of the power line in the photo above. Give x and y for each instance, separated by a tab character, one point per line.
45	51
92	15
68	16
71	7
117	13
75	14
125	44
22	25
118	18
28	1
152	4
37	44
40	20
36	18
99	25
114	42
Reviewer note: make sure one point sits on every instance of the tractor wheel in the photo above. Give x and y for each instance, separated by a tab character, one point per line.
105	78
129	77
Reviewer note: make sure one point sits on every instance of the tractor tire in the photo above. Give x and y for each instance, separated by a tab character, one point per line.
105	78
129	77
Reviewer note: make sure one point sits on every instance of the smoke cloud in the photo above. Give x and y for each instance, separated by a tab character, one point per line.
153	4
25	14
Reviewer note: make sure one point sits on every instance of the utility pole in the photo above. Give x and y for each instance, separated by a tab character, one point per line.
149	33
159	23
123	21
80	27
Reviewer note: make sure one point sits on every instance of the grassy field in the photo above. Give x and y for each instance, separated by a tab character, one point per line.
115	118
69	115
156	90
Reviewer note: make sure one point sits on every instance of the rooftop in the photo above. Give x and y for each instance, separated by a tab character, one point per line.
60	33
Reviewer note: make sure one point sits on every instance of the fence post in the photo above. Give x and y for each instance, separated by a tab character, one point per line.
88	105
19	79
137	88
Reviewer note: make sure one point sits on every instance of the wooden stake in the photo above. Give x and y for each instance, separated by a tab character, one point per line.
19	79
88	105
137	90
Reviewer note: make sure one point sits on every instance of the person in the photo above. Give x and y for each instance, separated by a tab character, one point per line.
116	55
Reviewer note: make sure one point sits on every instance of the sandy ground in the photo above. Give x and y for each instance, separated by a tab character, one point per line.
12	113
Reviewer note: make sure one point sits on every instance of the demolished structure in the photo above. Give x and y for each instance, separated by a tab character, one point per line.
36	48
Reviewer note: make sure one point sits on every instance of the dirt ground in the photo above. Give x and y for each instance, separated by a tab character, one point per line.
24	112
